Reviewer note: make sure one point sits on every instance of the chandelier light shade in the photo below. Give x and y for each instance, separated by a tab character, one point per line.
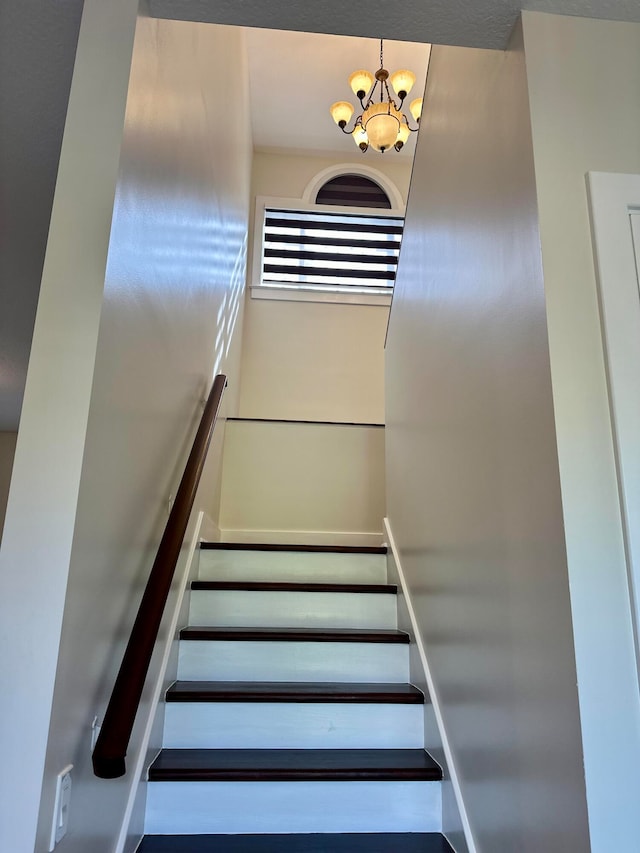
405	130
360	137
415	108
361	82
402	82
341	111
381	124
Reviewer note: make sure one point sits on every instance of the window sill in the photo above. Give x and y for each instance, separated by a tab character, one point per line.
262	291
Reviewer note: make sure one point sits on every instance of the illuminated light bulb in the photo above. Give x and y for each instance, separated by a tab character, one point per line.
403	135
415	108
360	137
402	82
361	82
341	113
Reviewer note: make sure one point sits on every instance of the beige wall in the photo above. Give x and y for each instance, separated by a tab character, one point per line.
313	361
288	174
307	360
174	275
7	450
584	88
298	482
473	483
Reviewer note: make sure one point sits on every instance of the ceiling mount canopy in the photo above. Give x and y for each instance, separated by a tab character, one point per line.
382	124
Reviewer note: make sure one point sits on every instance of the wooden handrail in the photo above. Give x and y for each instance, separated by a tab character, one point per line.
111	746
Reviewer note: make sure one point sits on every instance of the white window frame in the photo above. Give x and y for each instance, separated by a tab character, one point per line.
264	291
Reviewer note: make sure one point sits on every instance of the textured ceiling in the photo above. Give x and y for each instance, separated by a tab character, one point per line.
37	48
469	23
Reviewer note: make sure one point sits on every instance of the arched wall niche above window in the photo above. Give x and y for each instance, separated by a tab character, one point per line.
364	175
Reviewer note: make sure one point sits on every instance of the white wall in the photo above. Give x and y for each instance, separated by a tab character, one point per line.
41	510
584	88
90	489
473	483
7	450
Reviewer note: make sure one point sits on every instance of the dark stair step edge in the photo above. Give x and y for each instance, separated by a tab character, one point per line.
386	842
312	549
295	692
286	586
256	765
313	635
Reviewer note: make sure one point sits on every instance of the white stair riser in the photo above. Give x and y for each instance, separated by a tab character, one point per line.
238	660
274	725
292	566
271	807
241	608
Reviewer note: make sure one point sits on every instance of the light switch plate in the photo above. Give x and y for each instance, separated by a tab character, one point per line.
61	807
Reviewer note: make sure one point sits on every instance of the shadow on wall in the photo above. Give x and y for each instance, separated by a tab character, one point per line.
7	450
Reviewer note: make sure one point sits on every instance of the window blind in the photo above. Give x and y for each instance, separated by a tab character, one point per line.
336	252
353	191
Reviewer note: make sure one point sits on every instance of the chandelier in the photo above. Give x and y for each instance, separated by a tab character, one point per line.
382	124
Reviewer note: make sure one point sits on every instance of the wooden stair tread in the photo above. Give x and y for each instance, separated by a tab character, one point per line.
387	842
312	549
286	586
240	765
315	635
295	692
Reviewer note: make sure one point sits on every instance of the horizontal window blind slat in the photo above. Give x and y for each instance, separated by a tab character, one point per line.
352	198
338	258
337	252
325	215
327	277
312	240
328	225
320	271
349	286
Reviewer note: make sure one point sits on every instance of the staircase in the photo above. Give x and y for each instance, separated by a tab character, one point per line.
292	726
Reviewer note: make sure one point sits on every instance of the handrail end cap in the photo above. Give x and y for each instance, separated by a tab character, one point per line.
108	768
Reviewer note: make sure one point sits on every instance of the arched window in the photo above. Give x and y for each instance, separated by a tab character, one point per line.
353	191
340	245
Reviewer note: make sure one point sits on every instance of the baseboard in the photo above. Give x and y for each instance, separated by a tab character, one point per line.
458	830
302	537
128	843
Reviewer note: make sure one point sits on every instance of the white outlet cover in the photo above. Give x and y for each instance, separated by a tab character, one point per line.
61	807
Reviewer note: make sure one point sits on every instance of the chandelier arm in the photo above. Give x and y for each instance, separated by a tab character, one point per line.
343	127
412	129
